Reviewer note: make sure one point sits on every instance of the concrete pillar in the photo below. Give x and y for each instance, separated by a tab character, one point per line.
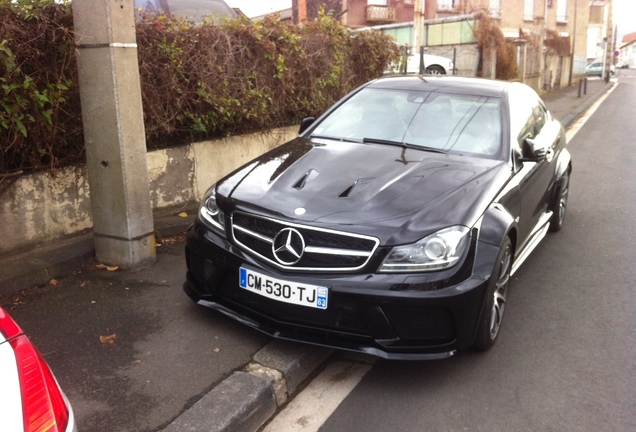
489	60
114	133
522	48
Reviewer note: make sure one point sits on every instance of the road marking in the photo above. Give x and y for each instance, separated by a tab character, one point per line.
569	134
315	404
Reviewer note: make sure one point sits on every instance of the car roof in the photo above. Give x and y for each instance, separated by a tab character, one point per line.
446	84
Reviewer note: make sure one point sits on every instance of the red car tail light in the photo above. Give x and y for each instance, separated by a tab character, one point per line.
44	407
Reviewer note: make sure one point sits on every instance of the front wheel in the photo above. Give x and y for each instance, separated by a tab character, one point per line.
496	296
560	205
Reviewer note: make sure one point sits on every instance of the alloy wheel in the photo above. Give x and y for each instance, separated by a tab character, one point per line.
500	293
563	200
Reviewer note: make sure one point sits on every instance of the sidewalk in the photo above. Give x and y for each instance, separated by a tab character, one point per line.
565	104
133	353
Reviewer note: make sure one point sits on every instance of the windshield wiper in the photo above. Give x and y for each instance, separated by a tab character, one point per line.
403	144
383	141
334	138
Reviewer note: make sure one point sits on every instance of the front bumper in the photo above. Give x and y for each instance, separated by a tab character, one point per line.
393	316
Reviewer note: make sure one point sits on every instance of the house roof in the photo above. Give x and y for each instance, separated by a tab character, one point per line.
628	38
283	15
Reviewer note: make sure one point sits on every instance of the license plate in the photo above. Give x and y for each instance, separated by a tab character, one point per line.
282	290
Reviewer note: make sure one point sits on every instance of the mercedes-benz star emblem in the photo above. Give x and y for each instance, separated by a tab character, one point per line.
288	246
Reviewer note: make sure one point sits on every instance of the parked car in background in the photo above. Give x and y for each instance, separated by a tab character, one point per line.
393	224
31	397
622	65
195	10
433	65
596	69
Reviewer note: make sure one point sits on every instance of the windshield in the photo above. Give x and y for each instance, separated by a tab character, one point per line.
448	122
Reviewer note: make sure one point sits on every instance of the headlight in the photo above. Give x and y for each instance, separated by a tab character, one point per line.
435	252
210	213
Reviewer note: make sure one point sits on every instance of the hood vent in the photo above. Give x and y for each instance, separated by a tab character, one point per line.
359	184
309	175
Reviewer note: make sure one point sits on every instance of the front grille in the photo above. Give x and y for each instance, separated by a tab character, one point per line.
315	249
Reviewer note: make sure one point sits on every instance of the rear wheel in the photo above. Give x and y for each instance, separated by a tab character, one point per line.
435	70
496	297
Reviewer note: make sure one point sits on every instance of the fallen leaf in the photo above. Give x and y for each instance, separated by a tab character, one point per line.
110	339
112	268
216	350
54	282
100	266
183	214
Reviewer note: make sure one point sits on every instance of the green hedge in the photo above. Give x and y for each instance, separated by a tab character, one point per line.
197	81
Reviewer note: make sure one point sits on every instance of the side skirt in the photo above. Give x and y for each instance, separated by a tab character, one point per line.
538	232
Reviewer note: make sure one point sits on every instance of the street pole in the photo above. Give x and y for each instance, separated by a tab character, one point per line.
546	81
418	23
576	2
112	114
609	48
418	32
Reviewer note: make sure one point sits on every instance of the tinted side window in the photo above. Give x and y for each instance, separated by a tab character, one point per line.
540	116
522	117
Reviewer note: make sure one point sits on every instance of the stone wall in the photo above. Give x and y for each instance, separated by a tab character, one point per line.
47	206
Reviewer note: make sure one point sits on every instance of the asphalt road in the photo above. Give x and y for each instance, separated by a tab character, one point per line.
566	357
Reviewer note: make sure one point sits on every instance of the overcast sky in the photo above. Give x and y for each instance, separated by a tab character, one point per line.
624	11
624	17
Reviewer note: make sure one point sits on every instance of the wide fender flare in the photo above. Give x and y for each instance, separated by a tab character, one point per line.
496	224
563	165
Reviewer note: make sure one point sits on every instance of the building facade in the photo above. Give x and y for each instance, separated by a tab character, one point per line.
554	39
627	51
355	13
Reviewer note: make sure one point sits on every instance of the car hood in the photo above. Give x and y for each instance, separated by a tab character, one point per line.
393	193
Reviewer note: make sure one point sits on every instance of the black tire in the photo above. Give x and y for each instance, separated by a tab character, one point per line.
494	306
435	70
560	204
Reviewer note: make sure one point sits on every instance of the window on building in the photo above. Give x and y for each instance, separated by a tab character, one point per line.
562	11
495	8
596	14
377	2
446	4
528	10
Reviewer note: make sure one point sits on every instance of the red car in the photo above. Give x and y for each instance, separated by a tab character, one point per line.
32	400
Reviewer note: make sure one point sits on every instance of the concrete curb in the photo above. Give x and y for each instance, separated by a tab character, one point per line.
45	263
240	403
246	400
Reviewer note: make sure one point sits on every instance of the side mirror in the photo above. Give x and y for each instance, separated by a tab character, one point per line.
533	151
305	123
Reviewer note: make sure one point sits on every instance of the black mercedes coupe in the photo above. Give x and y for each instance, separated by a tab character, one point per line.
392	224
